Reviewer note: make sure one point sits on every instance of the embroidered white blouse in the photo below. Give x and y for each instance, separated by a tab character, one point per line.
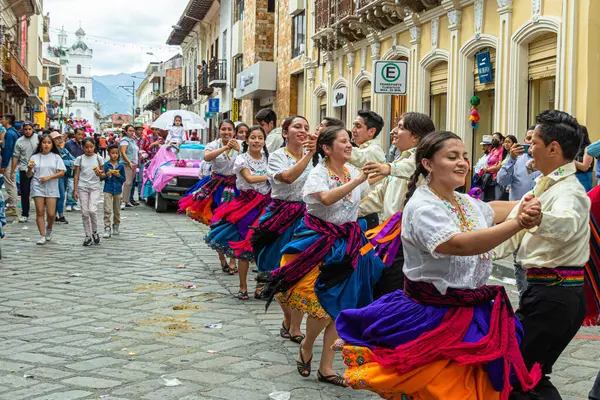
256	167
321	180
427	222
280	161
223	164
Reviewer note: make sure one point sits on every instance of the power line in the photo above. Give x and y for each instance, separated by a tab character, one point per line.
116	43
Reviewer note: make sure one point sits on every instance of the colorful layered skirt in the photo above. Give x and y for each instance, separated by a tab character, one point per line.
333	283
403	347
207	195
232	223
275	229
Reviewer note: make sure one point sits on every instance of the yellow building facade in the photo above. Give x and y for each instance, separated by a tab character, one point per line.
542	52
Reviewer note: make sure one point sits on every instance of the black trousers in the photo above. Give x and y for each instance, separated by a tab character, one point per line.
595	392
392	277
372	220
551	316
25	184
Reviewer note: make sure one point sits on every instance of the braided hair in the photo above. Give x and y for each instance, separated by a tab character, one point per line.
245	143
428	146
326	138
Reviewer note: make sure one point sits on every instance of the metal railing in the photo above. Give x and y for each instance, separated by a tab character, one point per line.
217	70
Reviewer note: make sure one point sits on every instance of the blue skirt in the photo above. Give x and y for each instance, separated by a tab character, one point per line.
356	291
220	235
270	256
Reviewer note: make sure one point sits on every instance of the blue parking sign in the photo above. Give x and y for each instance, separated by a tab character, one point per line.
484	67
213	105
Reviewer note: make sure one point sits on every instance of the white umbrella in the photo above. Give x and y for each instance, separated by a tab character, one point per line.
190	120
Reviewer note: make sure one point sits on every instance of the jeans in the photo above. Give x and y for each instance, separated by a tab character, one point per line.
25	193
140	180
60	203
70	187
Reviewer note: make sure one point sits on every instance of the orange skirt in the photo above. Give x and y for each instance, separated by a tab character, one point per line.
434	381
302	296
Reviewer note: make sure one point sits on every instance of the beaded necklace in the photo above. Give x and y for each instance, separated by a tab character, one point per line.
467	223
290	155
338	181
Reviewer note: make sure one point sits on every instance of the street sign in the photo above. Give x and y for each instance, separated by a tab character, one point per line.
213	105
390	77
484	67
208	115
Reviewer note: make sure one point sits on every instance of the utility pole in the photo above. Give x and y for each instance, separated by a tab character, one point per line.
131	91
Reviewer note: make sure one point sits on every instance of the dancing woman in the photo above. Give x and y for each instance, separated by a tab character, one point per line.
287	171
217	188
322	272
230	231
447	335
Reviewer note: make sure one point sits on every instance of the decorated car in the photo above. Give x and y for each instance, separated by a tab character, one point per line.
172	173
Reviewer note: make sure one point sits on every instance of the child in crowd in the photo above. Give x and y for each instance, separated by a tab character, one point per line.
114	177
89	167
177	134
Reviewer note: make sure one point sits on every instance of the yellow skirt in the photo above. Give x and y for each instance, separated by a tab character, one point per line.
440	380
302	296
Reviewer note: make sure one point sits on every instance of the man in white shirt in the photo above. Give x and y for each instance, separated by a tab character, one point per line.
366	127
267	119
554	253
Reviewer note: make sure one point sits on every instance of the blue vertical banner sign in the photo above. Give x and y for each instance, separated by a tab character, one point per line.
213	105
484	67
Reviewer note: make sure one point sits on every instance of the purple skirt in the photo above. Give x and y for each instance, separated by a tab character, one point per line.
395	319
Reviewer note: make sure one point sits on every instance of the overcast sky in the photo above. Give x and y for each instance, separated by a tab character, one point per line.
129	26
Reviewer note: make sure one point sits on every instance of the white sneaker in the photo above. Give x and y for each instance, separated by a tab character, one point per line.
122	206
106	233
76	208
42	241
116	230
23	220
69	208
48	235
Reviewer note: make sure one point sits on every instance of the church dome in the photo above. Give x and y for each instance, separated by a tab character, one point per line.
80	32
79	45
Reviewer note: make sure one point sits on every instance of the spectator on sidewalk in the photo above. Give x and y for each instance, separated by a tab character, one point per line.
75	148
521	178
24	149
10	139
114	177
139	137
68	159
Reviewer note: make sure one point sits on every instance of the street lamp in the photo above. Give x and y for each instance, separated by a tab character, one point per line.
161	69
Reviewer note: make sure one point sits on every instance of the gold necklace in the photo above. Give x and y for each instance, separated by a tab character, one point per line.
457	207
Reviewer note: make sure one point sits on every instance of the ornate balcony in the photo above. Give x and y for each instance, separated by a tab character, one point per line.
203	87
340	21
15	77
184	95
217	73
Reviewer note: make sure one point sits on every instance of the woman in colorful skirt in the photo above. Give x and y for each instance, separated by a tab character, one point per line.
217	188
322	272
230	230
389	197
288	170
447	335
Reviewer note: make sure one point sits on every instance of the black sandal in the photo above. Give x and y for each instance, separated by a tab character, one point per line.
243	295
283	331
297	338
302	366
225	267
336	379
231	271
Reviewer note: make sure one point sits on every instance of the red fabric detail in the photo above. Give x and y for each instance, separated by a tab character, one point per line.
445	342
238	208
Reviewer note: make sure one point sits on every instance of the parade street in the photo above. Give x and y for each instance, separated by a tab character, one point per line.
121	321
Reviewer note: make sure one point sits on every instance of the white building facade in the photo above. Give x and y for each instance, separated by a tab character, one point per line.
80	73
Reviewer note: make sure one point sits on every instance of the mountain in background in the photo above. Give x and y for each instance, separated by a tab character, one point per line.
113	99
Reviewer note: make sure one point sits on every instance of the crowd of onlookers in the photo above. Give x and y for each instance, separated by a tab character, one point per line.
64	172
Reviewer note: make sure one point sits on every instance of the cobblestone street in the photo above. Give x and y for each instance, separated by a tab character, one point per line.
115	321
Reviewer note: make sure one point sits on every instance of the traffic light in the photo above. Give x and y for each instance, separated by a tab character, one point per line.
163	108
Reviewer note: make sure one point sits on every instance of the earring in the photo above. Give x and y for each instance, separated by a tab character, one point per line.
428	178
